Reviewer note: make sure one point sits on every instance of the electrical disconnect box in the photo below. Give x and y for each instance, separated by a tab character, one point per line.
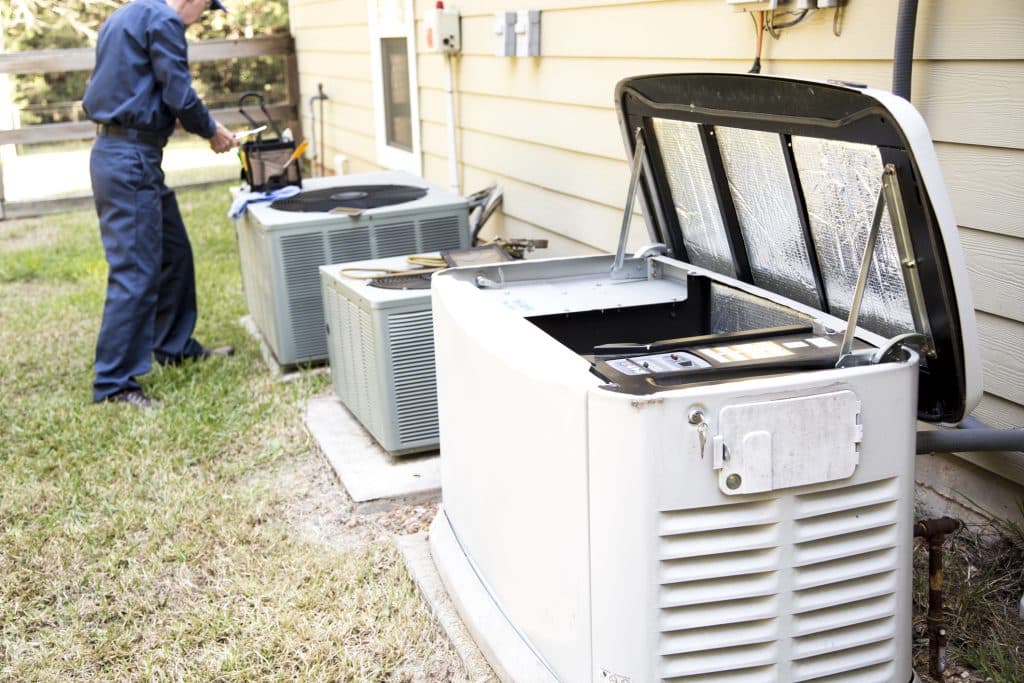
528	33
443	30
505	34
517	33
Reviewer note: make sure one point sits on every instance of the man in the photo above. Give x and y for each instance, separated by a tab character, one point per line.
140	87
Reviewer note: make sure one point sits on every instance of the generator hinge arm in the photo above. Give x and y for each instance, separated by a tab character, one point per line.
635	169
908	260
891	198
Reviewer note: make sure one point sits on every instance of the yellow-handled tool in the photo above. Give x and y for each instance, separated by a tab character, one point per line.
303	146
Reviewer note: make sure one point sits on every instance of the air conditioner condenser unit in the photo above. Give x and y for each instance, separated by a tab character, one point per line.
381	348
335	220
685	464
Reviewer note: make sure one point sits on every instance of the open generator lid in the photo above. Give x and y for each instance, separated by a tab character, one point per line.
777	182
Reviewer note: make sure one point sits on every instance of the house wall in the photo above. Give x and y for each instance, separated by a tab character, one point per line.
545	128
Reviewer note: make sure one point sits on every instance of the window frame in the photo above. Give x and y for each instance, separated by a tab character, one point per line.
380	28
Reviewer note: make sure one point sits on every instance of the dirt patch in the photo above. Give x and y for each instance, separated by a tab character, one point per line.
317	509
438	669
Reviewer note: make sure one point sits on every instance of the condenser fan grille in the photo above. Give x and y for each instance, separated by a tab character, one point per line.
351	197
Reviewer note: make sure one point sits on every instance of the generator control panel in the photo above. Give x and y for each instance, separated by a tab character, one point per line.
666	364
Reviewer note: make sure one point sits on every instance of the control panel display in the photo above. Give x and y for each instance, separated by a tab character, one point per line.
635	369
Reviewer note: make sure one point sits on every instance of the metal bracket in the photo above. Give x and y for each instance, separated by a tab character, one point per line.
635	168
890	197
487	283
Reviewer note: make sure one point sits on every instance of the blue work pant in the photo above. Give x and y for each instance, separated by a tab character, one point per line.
151	291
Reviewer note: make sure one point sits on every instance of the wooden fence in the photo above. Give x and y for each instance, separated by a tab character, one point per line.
84	59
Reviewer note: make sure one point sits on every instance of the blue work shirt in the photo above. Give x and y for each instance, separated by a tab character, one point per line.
141	79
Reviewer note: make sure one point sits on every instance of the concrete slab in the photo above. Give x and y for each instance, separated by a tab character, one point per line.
416	551
364	468
281	373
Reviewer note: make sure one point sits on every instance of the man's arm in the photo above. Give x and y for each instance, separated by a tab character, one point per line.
168	53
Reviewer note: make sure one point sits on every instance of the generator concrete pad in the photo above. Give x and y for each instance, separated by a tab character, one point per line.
364	468
415	550
281	373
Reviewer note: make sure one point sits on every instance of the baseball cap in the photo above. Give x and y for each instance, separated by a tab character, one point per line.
217	4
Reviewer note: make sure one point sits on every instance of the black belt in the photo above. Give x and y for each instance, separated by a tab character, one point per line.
144	136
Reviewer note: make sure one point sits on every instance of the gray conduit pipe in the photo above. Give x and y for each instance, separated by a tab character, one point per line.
972	435
903	54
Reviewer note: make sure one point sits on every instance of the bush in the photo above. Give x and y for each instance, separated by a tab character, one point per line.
61	24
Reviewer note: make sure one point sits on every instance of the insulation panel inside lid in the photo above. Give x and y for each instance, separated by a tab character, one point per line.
775	182
841	182
693	194
766	208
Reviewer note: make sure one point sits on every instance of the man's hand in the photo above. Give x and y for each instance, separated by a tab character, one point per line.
222	140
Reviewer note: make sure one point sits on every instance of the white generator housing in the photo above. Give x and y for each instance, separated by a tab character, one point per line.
673	468
381	349
281	251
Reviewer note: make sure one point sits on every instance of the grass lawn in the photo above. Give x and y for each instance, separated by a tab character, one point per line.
176	544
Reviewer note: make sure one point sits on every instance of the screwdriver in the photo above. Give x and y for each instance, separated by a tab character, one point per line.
296	154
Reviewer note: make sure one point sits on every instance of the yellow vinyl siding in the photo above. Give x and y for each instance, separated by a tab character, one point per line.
985	186
996	265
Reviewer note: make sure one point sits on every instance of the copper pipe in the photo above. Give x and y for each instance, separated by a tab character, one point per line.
934	531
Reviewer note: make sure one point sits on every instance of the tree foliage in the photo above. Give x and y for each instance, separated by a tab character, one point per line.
60	24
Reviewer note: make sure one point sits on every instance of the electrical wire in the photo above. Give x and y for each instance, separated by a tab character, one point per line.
759	23
774	29
837	19
384	273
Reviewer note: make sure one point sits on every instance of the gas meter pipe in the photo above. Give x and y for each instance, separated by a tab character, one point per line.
934	531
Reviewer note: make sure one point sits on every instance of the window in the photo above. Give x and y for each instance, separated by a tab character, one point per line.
396	107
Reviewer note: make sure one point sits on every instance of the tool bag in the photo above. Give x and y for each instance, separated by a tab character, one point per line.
265	162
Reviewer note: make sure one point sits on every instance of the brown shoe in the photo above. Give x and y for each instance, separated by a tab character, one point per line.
135	397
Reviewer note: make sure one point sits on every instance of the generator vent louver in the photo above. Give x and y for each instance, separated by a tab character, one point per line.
281	252
845	580
728	580
381	346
